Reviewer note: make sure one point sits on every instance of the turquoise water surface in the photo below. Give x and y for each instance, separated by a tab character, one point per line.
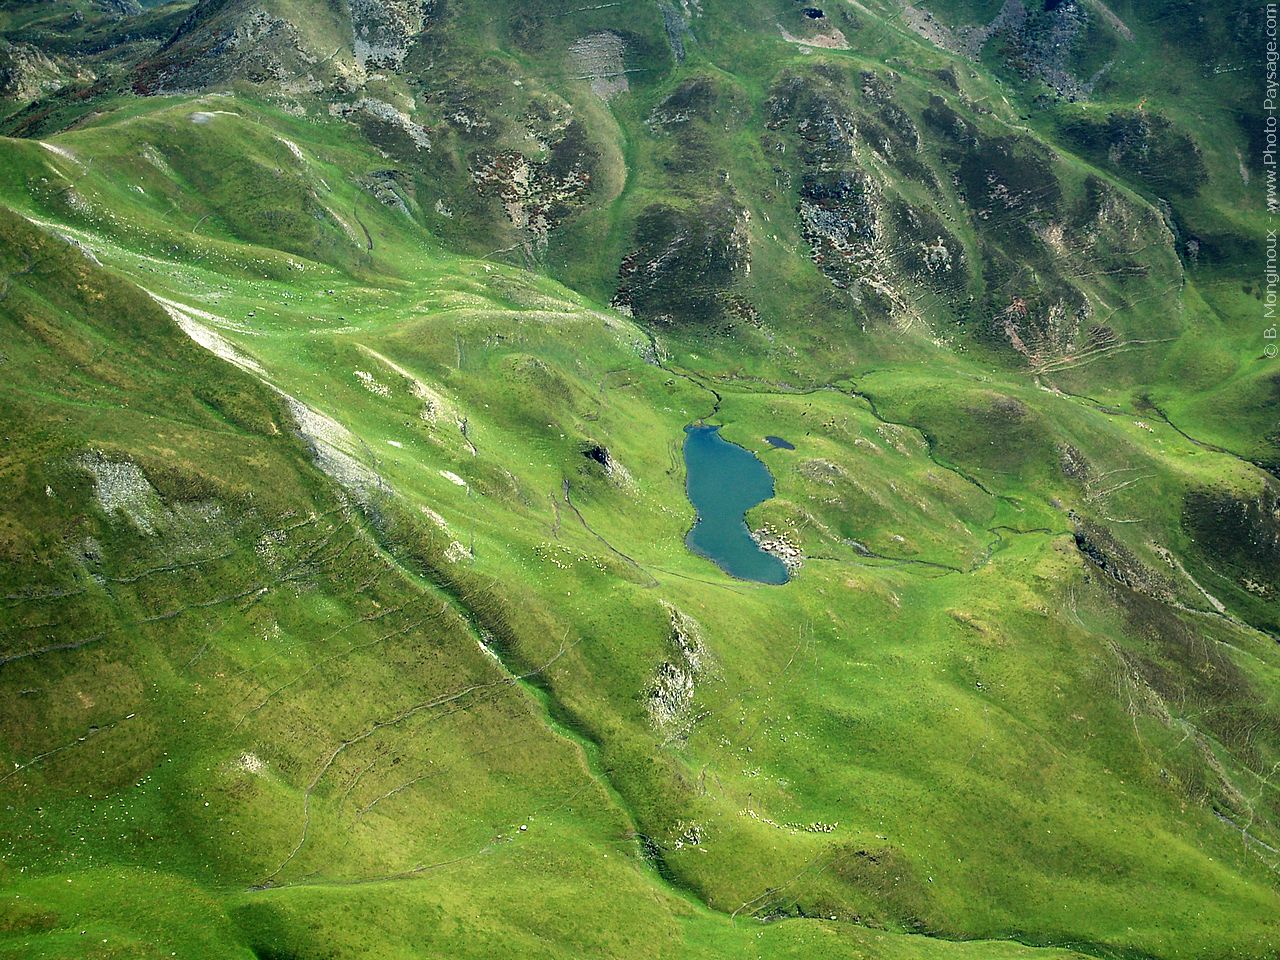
724	482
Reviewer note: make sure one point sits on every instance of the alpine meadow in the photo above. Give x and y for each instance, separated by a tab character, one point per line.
640	479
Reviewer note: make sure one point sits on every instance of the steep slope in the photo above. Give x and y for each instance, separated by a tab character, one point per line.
1062	190
253	668
343	642
343	547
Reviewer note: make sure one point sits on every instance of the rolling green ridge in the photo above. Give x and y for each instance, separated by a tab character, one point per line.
347	353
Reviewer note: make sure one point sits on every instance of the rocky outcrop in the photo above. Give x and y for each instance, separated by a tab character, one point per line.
1239	536
685	263
122	490
27	74
382	30
1145	145
840	220
388	127
861	235
612	468
538	193
675	23
1117	561
241	44
261	42
1039	41
780	544
670	696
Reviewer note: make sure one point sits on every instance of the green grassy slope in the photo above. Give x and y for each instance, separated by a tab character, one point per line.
344	545
377	649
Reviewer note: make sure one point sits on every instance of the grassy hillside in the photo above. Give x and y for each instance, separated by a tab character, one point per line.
347	609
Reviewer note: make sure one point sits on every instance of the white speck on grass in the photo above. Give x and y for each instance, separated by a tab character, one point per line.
435	517
152	156
371	383
453	478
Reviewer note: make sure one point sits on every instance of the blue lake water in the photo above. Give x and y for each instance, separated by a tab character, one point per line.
724	482
780	443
